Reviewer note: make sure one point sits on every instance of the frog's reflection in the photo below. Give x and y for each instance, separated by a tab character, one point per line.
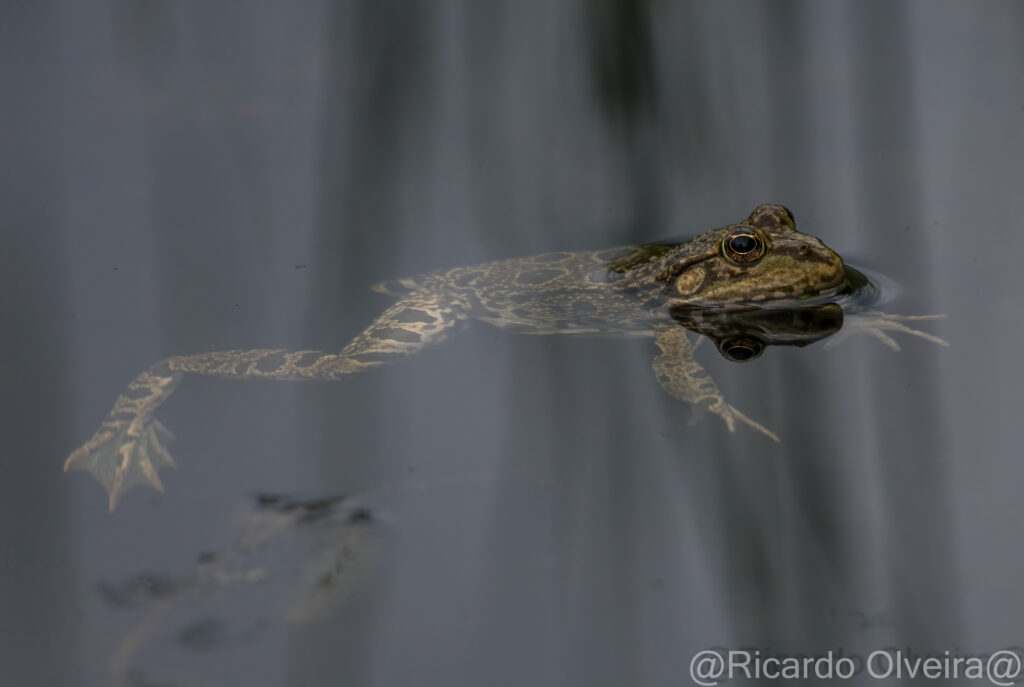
743	335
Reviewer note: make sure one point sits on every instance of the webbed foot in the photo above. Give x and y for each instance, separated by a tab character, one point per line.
123	459
880	325
725	411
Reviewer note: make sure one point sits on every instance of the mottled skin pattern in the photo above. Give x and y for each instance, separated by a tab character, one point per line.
762	260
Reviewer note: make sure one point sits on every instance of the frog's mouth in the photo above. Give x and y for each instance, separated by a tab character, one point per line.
812	289
854	286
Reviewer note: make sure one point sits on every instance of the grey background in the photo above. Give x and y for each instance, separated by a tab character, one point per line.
183	177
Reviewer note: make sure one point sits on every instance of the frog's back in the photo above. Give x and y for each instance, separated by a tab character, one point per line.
556	270
547	293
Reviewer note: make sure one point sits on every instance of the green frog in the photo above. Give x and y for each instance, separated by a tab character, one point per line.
726	283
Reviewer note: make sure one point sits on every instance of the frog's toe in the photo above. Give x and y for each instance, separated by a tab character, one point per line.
121	460
880	325
753	424
729	414
895	323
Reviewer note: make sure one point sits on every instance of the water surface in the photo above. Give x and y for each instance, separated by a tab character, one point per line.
178	178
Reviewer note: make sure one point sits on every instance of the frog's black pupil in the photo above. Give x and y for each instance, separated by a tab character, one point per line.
741	353
741	349
744	243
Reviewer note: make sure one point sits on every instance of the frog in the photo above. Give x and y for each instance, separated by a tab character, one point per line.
723	284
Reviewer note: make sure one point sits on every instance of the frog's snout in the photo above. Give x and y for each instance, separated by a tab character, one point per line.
833	263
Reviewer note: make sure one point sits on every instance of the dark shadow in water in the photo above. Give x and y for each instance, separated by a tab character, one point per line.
621	61
335	560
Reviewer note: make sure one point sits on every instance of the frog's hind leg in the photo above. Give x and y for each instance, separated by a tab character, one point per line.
129	447
683	377
403	330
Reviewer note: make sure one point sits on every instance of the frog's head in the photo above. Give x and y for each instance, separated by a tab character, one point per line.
762	260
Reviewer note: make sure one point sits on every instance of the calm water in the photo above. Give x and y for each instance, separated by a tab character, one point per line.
184	177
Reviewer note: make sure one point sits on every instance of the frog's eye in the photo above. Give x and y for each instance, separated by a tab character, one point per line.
743	246
741	349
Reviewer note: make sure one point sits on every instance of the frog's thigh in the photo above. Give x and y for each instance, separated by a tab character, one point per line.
416	321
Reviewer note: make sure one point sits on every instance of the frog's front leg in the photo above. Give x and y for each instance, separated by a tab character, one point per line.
880	325
683	377
129	447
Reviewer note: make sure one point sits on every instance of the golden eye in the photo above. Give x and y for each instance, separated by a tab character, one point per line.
743	246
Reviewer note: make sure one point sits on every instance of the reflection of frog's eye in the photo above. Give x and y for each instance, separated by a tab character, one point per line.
741	349
743	246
